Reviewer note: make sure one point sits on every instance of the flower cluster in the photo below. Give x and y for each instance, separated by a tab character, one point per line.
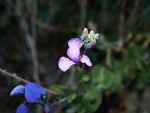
34	95
73	53
89	39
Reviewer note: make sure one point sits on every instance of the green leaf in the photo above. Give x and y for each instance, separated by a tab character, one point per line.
117	77
117	87
91	100
102	77
134	51
81	110
61	89
64	90
80	87
86	77
140	84
138	65
72	97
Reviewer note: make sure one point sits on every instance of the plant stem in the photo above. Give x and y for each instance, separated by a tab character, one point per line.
83	67
64	99
25	81
59	102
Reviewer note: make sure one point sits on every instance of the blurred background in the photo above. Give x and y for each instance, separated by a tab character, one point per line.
34	35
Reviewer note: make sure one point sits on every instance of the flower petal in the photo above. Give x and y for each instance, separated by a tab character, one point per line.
74	49
85	59
64	63
75	42
33	92
23	109
17	90
74	53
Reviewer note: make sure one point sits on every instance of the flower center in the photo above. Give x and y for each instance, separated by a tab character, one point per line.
79	57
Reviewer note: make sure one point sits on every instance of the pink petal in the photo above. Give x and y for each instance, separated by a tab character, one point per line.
75	42
74	53
64	63
74	49
18	90
85	59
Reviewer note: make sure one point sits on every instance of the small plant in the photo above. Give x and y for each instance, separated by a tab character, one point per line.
108	77
35	94
74	53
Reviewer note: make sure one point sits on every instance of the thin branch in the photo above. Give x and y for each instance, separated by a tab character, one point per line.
25	81
29	40
83	7
133	13
122	18
59	102
108	57
33	17
64	99
53	28
103	13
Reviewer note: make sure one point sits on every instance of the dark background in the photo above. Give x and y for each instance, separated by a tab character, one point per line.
34	35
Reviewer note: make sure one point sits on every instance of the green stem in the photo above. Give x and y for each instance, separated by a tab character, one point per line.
83	67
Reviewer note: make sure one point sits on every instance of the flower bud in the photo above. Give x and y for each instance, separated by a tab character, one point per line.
89	39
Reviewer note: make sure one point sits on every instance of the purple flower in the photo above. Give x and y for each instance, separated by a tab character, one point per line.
32	92
73	53
23	109
17	90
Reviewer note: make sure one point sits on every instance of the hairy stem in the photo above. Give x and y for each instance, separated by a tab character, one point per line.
24	81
